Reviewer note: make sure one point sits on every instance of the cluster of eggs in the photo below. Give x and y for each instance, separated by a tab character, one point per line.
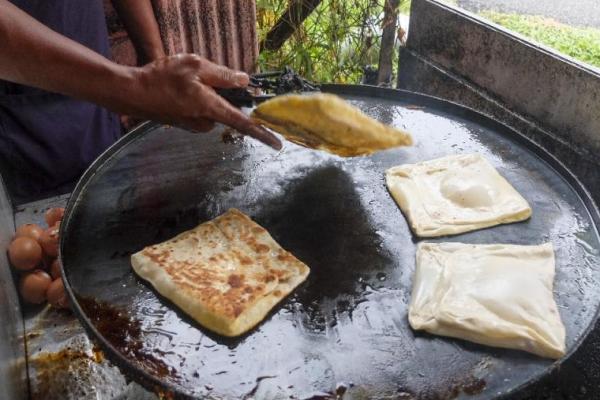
33	253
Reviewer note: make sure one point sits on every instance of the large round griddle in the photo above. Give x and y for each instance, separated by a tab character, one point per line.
346	328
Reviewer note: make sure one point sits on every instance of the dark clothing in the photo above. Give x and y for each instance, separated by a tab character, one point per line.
47	140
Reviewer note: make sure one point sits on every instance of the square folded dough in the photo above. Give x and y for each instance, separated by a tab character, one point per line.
227	273
327	122
497	295
454	194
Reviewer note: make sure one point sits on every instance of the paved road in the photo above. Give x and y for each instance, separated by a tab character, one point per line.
572	12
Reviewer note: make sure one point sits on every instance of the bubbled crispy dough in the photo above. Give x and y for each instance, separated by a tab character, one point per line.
226	273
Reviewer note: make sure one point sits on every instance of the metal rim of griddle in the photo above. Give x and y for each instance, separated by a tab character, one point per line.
156	384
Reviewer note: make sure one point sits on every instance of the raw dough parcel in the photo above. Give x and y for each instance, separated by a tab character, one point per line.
454	194
498	295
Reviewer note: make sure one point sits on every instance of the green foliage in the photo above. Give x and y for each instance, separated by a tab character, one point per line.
335	42
404	7
580	43
341	37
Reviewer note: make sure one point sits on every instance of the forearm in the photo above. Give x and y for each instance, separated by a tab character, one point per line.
34	55
140	23
176	89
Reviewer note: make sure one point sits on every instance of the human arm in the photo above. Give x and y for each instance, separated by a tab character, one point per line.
142	27
176	90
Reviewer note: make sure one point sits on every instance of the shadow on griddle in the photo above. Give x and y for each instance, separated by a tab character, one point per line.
321	220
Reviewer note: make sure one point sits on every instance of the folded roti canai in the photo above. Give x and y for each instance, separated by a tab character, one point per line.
454	194
327	122
494	294
227	273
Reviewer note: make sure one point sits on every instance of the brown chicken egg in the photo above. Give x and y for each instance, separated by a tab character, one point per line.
24	253
56	294
55	269
34	285
53	215
49	241
32	231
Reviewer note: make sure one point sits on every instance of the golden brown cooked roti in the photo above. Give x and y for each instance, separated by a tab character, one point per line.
227	273
327	122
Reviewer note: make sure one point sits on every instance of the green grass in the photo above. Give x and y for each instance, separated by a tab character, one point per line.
580	43
340	37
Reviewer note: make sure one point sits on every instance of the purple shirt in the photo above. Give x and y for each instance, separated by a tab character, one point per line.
47	140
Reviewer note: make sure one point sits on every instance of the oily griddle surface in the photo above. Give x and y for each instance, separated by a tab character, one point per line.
345	330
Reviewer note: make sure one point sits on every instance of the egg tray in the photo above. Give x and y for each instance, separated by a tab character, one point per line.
344	332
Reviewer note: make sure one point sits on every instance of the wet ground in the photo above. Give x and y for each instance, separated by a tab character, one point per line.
576	13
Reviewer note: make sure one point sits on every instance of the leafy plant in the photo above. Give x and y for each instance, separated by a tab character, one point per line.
334	44
340	38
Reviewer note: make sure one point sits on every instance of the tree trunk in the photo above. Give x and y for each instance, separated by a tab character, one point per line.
388	37
292	18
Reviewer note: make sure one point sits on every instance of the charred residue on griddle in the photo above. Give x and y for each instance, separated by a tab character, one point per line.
469	385
252	392
163	394
322	396
98	354
33	334
473	386
124	333
340	390
56	372
231	136
337	394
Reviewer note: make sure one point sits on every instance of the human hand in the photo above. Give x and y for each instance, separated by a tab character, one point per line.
179	90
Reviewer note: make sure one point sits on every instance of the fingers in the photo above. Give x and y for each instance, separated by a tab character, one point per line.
222	77
263	135
225	113
202	125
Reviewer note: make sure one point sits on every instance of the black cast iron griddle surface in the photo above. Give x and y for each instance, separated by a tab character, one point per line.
345	329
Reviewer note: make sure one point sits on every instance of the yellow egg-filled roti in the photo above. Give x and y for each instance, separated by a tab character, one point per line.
326	122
